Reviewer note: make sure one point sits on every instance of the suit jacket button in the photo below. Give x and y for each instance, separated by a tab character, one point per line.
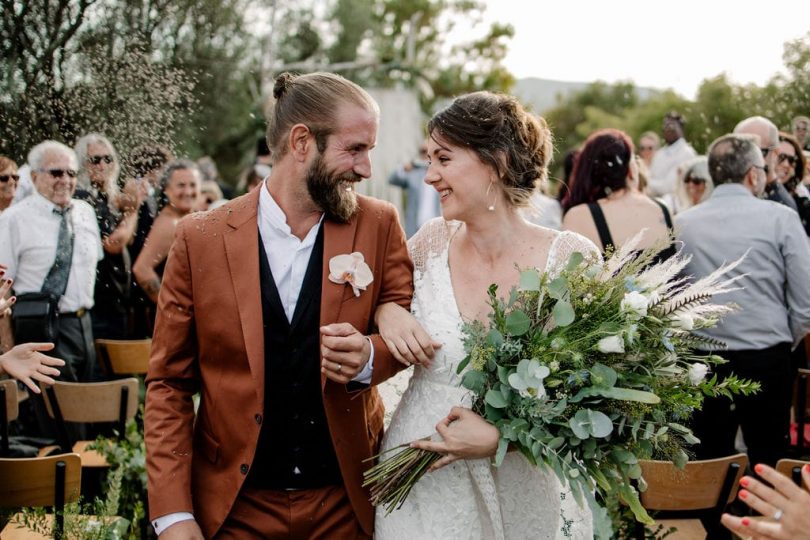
258	418
243	468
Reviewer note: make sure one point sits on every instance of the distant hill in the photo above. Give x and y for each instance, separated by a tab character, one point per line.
541	94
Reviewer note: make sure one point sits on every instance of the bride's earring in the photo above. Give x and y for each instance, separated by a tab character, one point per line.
491	207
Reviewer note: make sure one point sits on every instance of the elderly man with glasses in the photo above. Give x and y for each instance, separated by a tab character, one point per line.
50	243
767	136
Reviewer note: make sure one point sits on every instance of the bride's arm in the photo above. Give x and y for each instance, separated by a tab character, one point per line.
404	336
465	434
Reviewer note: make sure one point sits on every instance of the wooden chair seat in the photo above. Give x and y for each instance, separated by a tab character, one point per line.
686	529
90	458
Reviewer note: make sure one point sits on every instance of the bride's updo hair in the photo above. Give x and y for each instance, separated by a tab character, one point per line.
515	143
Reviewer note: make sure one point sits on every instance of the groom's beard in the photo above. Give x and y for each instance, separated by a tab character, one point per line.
329	192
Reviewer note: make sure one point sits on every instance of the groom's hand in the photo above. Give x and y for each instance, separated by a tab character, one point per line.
182	530
344	352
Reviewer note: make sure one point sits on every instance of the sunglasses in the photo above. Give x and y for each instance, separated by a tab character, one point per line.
766	151
790	159
694	180
59	173
95	160
6	177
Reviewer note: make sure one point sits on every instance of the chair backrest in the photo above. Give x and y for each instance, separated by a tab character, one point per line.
36	481
701	485
9	409
124	357
792	468
109	401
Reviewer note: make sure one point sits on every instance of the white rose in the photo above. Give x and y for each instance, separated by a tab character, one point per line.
697	372
635	304
611	344
684	321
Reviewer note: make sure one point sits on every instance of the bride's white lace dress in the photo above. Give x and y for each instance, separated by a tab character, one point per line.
468	499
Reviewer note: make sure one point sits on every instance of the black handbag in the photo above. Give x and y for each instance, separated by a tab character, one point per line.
35	318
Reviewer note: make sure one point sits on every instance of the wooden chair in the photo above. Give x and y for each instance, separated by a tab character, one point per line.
42	481
113	401
702	489
792	468
124	357
9	410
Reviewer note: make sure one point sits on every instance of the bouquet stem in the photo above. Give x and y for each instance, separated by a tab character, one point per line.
392	479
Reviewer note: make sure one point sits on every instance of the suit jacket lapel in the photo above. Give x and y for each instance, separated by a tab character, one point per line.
241	249
338	240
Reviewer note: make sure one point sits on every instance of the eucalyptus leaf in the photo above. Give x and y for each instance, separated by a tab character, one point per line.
494	338
474	380
574	261
557	287
518	323
602	375
601	425
503	445
563	313
494	398
529	280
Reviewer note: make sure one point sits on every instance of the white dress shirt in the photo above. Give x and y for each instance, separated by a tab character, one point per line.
29	234
664	166
288	257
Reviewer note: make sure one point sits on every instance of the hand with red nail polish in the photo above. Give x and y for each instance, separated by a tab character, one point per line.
785	505
6	303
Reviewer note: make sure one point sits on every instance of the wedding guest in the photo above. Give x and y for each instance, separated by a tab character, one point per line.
179	191
210	173
773	297
694	185
209	194
421	202
543	210
665	162
604	203
257	317
799	126
648	145
791	167
145	165
765	132
784	505
8	182
253	177
116	214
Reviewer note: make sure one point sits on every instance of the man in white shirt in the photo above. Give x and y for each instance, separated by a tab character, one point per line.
665	162
29	241
266	309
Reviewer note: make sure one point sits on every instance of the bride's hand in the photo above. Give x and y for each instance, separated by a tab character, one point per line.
466	436
404	336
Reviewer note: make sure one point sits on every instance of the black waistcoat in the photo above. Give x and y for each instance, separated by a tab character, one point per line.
295	449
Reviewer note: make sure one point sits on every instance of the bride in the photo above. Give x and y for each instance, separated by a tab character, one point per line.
487	155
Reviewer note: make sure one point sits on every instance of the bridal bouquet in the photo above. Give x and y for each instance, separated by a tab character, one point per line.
587	373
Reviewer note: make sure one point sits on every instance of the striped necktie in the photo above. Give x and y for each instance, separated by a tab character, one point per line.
57	278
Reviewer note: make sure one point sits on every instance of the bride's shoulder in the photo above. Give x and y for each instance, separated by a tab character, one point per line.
431	239
568	242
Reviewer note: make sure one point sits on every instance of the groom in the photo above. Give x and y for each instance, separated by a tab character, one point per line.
251	317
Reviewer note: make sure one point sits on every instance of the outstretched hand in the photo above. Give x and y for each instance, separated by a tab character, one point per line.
5	287
404	336
465	435
785	507
27	364
344	352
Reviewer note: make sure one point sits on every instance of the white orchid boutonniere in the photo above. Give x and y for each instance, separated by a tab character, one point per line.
350	269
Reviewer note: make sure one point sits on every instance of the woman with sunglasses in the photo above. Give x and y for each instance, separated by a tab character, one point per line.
694	184
117	218
790	170
8	182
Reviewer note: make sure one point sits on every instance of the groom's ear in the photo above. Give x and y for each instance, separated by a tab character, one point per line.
301	141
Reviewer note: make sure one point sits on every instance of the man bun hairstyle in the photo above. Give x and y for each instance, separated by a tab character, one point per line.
515	143
312	99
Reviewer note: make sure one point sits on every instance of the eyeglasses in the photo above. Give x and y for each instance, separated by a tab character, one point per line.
6	177
95	160
694	180
59	173
790	159
763	168
766	151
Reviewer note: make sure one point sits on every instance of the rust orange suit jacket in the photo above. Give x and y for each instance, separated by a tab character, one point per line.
209	338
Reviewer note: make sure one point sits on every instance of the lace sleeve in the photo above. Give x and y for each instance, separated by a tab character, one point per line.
568	243
429	241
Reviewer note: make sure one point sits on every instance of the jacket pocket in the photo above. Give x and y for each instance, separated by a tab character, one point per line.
209	446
